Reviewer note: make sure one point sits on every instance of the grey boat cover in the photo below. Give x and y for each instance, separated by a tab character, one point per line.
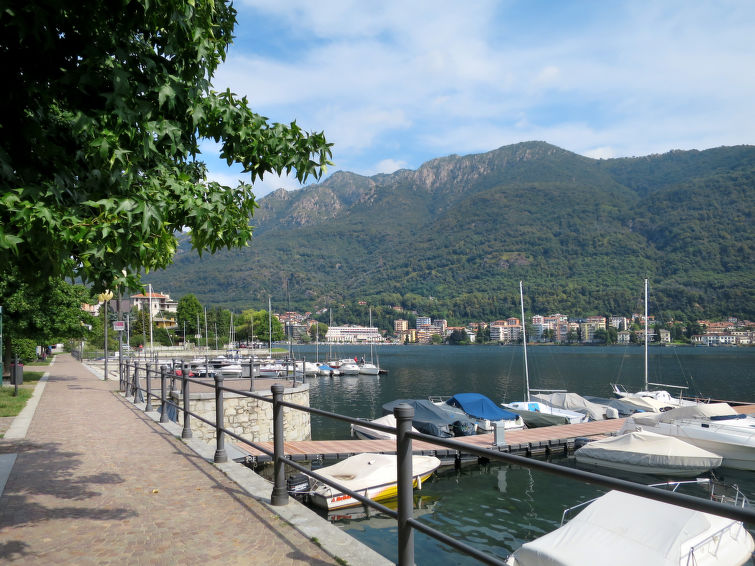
625	408
626	530
577	403
431	419
705	411
649	452
536	419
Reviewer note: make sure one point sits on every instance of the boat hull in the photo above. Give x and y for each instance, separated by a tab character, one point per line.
339	500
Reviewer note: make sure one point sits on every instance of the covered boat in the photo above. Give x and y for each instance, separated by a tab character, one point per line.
371	475
561	416
575	402
536	419
648	453
431	419
715	427
366	433
484	412
626	530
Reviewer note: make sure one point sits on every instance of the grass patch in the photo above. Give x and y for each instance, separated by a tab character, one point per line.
10	406
31	376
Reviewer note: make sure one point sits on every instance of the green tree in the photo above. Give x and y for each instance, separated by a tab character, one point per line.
262	324
188	311
104	108
458	337
318	329
50	312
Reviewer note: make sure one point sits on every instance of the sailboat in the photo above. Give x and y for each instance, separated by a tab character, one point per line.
536	413
369	368
656	400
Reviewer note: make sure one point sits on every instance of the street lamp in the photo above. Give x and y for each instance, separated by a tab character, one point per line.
104	298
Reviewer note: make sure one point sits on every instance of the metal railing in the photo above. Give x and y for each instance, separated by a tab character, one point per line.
131	385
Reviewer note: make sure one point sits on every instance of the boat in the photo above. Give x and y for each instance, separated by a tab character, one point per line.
648	453
431	419
481	410
577	403
275	369
369	368
626	530
531	411
372	475
306	369
656	400
366	433
325	369
348	367
712	426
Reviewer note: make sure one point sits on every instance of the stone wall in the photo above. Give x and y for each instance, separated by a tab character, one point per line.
251	418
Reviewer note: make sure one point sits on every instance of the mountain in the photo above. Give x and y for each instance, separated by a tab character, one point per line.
455	237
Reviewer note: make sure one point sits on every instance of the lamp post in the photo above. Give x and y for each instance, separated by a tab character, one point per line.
104	298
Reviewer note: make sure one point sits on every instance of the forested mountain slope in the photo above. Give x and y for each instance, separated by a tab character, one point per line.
454	237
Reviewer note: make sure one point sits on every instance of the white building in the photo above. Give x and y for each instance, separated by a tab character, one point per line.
160	302
352	334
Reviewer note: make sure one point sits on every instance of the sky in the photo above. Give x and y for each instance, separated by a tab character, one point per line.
394	84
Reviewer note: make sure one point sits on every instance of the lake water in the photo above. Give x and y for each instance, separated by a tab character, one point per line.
495	507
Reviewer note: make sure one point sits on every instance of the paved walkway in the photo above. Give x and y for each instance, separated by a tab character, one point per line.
96	481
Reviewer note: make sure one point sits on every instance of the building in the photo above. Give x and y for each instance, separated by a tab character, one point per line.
352	334
400	325
160	302
423	321
509	330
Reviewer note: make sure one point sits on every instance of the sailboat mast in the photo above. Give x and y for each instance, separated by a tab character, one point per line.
371	336
646	335
269	329
524	343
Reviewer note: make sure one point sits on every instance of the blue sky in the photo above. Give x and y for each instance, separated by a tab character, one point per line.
394	84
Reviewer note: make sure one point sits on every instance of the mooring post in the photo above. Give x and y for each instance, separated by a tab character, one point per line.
220	455
404	414
163	397
186	432
280	494
149	408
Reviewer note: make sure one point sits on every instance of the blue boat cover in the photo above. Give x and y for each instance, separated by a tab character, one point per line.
480	407
431	419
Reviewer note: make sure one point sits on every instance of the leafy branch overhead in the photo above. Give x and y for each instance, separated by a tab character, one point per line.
104	109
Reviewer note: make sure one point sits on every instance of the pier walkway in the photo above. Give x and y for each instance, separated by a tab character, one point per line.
91	479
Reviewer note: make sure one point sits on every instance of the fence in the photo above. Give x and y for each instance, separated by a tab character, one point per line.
131	385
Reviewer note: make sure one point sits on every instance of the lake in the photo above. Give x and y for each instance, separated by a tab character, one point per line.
495	507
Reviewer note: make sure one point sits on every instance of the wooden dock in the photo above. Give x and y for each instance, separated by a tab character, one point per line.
544	440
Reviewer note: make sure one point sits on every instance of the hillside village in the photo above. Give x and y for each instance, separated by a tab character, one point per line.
554	328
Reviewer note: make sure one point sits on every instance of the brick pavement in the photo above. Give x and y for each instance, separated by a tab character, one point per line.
98	482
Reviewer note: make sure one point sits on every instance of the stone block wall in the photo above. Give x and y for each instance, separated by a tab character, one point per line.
252	419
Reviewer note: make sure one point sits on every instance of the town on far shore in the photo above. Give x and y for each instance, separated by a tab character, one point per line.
409	327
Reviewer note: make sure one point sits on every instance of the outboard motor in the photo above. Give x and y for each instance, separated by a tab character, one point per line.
298	486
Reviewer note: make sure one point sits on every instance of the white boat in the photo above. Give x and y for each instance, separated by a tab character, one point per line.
366	433
371	475
656	400
307	369
531	405
369	368
537	407
715	427
648	453
325	369
626	530
348	367
272	370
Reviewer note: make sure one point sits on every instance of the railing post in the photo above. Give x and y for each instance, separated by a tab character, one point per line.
127	380
280	493
149	408
120	371
163	398
251	372
220	455
186	432
136	382
404	414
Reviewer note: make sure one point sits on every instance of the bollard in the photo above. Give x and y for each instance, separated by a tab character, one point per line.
163	398
220	455
280	493
404	414
186	432
149	408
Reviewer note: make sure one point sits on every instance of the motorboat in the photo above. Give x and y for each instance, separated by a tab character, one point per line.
625	530
366	433
648	453
577	403
368	369
325	369
372	475
536	419
348	367
431	419
272	370
306	369
713	426
655	400
481	410
563	416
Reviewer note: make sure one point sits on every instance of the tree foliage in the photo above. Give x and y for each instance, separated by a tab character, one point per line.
189	312
104	108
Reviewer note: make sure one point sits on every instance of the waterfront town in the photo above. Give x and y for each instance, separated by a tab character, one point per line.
552	328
